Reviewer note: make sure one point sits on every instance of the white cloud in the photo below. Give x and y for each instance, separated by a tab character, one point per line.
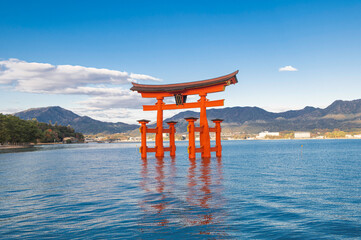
131	100
101	85
47	78
288	69
10	110
108	96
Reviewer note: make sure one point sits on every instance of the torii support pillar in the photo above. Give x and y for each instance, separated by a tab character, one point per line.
218	136
191	136
172	132
159	130
143	132
204	128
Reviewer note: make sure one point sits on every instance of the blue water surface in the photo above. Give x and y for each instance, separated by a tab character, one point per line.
281	189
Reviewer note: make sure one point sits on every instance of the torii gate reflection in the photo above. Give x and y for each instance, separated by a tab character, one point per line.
180	92
165	205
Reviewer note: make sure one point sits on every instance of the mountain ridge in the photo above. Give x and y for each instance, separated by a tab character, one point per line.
84	124
340	114
344	115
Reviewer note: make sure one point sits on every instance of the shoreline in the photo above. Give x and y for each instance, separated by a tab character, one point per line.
3	147
296	139
56	143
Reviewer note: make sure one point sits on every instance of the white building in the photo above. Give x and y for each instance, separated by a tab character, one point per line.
262	135
302	134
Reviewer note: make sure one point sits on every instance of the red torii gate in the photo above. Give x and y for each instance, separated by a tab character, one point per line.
180	91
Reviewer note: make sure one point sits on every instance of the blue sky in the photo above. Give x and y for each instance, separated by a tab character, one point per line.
177	42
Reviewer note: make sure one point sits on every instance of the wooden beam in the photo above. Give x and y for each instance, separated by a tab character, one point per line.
151	149
166	130
216	103
198	129
151	130
212	129
205	90
155	95
194	91
199	150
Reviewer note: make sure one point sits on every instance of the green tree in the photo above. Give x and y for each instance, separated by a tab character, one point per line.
14	130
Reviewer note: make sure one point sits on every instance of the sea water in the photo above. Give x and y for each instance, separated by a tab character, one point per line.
279	189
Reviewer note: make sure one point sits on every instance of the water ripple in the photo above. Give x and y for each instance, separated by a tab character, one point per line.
258	190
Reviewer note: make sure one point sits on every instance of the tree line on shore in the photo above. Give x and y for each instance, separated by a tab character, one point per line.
15	131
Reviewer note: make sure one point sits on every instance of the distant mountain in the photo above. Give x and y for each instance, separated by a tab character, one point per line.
345	115
65	117
344	107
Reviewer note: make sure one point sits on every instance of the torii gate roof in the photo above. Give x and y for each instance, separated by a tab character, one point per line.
182	87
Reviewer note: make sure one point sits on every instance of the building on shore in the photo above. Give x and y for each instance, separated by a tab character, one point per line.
353	136
70	140
265	134
302	135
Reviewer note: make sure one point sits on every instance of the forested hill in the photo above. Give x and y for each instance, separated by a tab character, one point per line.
65	117
14	130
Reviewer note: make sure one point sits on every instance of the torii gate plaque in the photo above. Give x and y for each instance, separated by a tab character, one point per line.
180	91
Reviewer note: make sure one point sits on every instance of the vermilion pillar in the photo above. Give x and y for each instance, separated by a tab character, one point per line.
172	137
159	134
218	136
204	134
191	135
143	132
